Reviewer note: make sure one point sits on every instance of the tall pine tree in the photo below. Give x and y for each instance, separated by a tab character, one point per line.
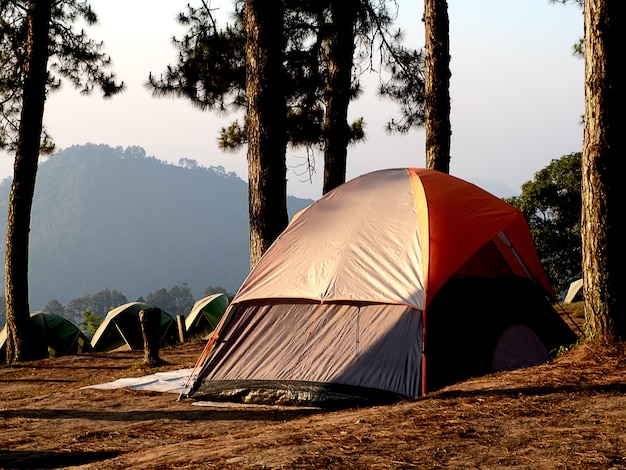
604	146
437	85
32	32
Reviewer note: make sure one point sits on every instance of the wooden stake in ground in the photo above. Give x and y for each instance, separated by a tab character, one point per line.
150	320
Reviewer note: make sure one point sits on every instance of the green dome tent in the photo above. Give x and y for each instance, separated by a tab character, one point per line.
55	335
121	329
205	315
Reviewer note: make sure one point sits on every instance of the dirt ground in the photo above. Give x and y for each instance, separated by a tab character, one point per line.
567	414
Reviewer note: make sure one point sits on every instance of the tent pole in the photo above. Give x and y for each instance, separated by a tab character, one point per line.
119	330
424	387
189	384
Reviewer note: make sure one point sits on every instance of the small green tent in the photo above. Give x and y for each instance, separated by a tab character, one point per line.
121	329
55	336
205	315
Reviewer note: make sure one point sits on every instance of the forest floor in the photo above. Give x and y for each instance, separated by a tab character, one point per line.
566	414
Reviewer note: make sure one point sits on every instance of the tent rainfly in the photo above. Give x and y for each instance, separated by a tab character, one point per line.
392	285
55	336
121	329
205	315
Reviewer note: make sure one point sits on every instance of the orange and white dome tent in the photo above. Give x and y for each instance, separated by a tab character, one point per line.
343	304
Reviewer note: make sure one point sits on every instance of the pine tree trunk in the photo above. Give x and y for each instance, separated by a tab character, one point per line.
336	128
437	85
20	345
602	227
266	116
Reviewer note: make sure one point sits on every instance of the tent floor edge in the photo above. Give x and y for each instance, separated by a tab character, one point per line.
293	393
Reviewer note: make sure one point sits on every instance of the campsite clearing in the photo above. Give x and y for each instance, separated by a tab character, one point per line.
569	413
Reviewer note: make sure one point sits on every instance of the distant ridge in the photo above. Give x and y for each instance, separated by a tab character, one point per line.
114	218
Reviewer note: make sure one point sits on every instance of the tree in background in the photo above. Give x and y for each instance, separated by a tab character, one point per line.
321	74
32	33
551	203
602	227
178	300
241	67
437	85
210	290
98	304
338	90
54	306
350	34
89	322
324	41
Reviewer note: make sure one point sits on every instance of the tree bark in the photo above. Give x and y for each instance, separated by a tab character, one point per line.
602	227
19	340
340	59
437	85
266	115
150	321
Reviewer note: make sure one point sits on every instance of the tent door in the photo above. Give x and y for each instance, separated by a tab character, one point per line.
519	346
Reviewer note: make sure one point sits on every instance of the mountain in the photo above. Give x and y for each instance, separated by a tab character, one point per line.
114	218
495	187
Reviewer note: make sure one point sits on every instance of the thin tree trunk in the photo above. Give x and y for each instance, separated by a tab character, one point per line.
150	321
19	339
602	227
267	135
437	85
336	128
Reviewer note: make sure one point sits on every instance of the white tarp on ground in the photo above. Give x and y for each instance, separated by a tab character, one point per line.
172	381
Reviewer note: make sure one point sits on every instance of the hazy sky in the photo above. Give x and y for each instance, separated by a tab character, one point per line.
516	91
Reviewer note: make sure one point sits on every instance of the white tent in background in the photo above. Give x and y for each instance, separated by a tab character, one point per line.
575	292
